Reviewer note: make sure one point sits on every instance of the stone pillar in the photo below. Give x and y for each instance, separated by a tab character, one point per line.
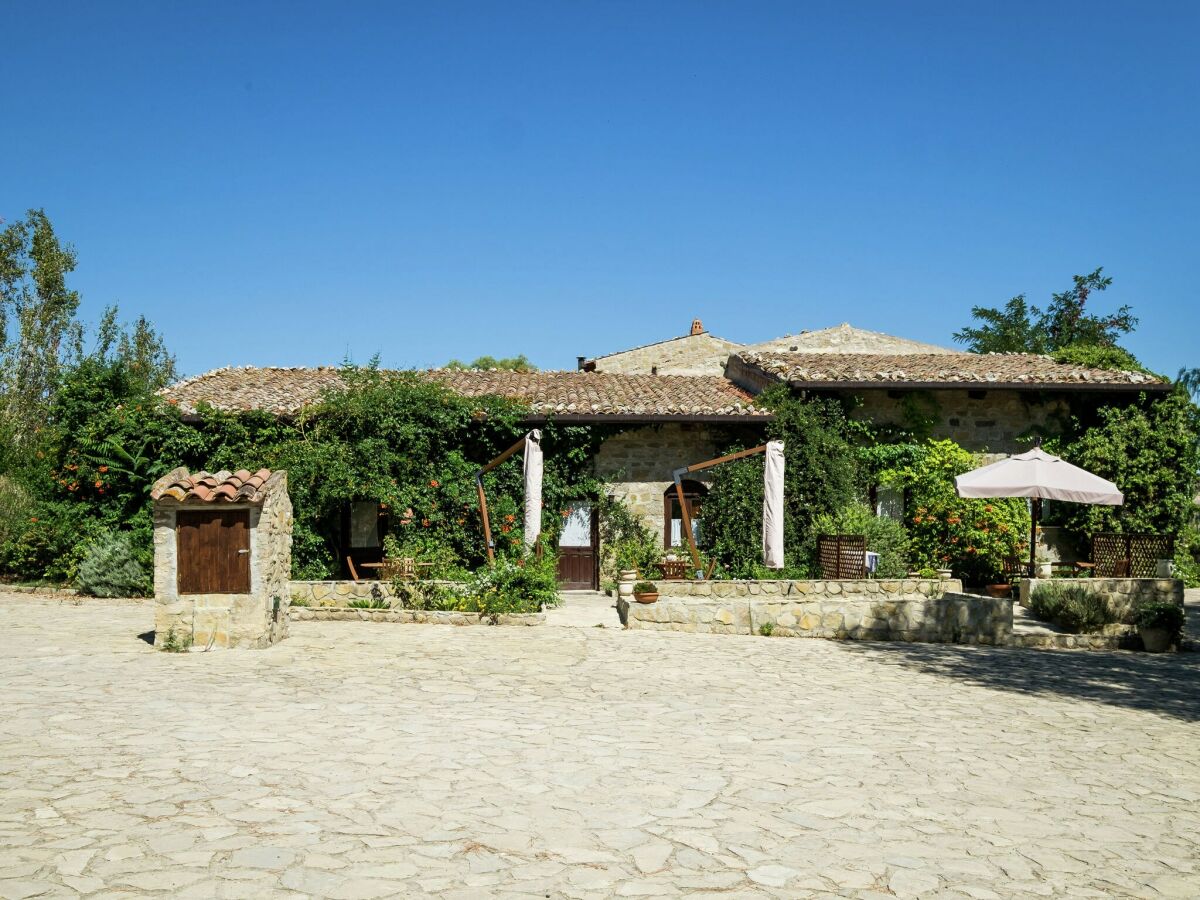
223	619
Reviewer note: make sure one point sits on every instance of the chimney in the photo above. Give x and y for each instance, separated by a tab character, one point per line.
579	361
697	326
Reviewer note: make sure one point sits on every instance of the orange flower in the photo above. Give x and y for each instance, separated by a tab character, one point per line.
98	483
506	528
954	540
425	523
33	518
515	542
103	469
916	520
988	508
433	484
510	518
953	520
460	521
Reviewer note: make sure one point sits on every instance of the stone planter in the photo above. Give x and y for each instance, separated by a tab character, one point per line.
944	574
647	597
1155	640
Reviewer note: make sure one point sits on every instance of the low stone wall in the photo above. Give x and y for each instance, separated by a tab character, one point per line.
408	616
340	593
814	590
897	610
1121	596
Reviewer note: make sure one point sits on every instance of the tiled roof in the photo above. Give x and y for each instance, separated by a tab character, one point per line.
582	394
228	487
1025	370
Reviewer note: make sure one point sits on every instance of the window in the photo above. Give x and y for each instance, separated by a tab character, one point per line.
693	492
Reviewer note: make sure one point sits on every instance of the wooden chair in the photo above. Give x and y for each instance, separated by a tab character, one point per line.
404	569
674	569
353	571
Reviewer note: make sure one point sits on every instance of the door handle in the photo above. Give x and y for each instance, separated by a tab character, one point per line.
243	551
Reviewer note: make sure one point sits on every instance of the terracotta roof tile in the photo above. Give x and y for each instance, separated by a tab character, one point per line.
592	394
228	487
937	369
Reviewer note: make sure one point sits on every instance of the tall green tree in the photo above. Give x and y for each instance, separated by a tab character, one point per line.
34	298
1063	327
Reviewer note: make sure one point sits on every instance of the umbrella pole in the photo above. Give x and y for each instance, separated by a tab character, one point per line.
1035	512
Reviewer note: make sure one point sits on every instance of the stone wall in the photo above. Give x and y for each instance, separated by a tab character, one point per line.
410	616
1121	596
695	354
640	462
339	593
904	610
984	421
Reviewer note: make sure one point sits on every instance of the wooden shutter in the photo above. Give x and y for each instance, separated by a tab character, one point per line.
208	558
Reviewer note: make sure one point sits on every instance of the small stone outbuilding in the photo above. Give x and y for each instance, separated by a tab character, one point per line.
222	558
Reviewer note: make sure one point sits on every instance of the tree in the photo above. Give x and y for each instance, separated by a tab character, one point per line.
34	296
518	363
1062	327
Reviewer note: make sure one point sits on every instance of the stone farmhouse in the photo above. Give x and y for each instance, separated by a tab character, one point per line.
677	401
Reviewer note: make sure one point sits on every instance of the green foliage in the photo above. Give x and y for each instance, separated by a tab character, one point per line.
766	629
442	562
970	536
505	363
111	568
884	536
820	477
1160	614
173	643
626	541
512	586
1021	328
1073	607
1187	557
1099	356
427	595
1149	451
15	508
645	587
50	543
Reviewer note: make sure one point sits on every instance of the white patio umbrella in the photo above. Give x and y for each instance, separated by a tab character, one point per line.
1040	476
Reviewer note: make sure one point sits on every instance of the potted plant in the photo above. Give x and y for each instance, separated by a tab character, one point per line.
645	592
1159	625
1001	589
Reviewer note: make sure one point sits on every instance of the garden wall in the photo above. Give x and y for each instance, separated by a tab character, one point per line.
410	616
900	610
339	593
1121	595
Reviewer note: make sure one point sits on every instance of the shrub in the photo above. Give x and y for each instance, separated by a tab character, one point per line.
970	536
627	542
369	603
1073	607
444	563
884	536
1187	557
645	587
1160	614
111	569
513	586
766	629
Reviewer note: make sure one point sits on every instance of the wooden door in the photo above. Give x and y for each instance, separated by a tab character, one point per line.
578	549
213	551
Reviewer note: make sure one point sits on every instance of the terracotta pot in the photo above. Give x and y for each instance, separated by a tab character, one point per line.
646	598
1155	640
999	590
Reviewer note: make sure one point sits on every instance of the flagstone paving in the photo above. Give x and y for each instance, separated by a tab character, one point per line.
357	760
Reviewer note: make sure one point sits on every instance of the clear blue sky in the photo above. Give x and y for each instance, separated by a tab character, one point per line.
290	183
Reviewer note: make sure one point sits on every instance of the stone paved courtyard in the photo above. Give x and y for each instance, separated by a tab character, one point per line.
357	760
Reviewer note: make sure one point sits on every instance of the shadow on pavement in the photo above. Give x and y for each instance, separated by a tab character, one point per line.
1167	683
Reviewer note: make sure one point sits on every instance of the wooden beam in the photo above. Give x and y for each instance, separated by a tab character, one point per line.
741	454
483	514
683	506
503	456
687	525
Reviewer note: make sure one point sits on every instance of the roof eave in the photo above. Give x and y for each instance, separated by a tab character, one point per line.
972	386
